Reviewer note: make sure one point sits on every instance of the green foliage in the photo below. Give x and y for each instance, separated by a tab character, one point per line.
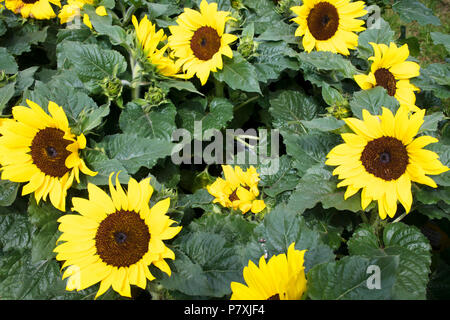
129	111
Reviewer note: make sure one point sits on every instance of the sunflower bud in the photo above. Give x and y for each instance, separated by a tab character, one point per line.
237	4
247	47
155	96
112	87
284	6
3	78
339	111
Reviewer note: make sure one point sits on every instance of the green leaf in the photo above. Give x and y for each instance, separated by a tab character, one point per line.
92	63
15	231
372	100
158	123
238	73
7	62
205	265
441	38
348	278
279	31
199	199
6	93
103	25
134	152
8	192
219	114
20	279
273	58
324	191
44	217
414	10
436	78
309	149
288	108
98	161
23	38
439	210
328	61
80	109
409	244
179	85
234	228
383	34
280	228
324	124
284	179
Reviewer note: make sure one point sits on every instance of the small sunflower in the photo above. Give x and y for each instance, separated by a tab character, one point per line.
37	9
281	278
239	189
199	41
41	150
149	41
115	238
329	25
382	158
391	71
73	9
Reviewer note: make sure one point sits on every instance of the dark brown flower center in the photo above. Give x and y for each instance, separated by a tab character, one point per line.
205	43
48	151
323	21
122	239
385	158
233	196
29	1
274	297
386	80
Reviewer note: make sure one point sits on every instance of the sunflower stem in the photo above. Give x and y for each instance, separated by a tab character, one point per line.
400	218
246	102
219	86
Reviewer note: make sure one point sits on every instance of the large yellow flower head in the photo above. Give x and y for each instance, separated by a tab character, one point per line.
281	278
391	71
37	9
199	41
149	40
41	149
115	238
329	25
239	189
382	158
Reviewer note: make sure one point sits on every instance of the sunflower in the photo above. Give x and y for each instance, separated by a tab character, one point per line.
149	40
391	71
329	25
281	278
199	41
37	9
116	238
41	150
73	8
382	158
239	189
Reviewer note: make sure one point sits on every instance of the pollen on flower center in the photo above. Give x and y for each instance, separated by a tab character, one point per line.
385	158
205	43
122	239
49	153
386	80
323	21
